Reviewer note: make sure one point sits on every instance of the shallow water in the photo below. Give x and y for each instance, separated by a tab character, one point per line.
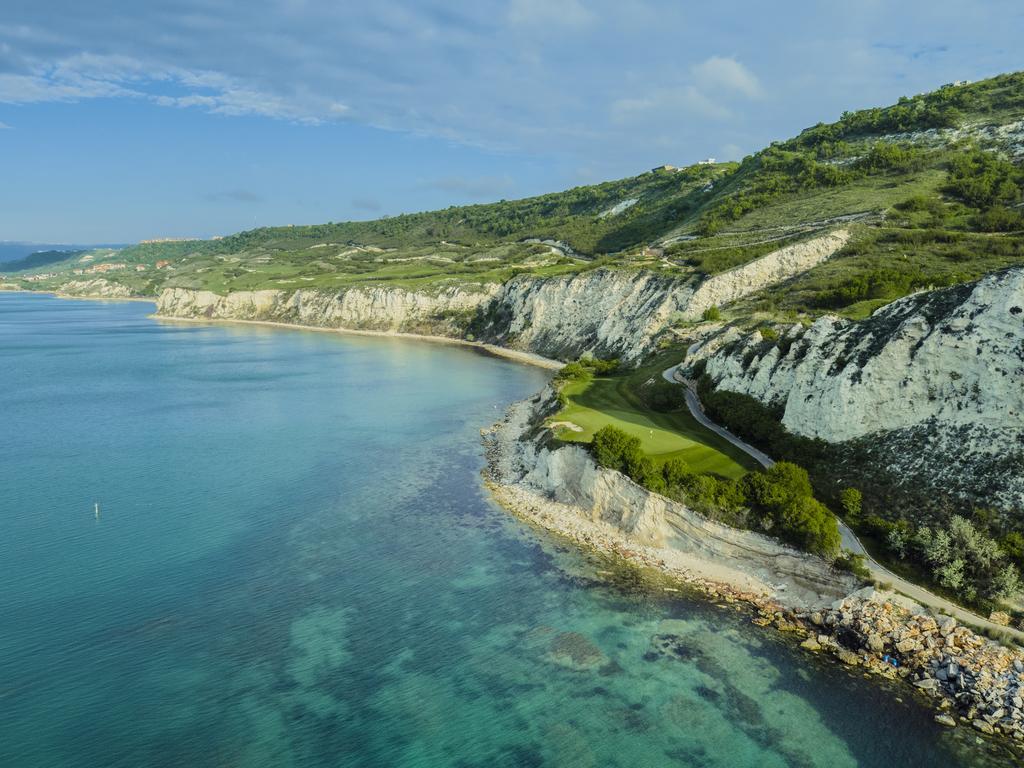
295	565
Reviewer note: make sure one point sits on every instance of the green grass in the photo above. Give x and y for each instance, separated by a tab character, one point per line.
616	400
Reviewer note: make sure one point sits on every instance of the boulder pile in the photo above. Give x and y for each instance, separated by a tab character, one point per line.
973	680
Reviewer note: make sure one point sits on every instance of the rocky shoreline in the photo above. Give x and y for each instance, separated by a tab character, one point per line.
971	681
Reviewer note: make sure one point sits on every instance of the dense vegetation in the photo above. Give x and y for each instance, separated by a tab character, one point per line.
39	259
976	560
778	501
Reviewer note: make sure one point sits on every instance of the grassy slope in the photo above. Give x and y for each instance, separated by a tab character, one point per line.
616	400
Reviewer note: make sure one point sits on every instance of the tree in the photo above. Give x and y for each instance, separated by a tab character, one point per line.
614	449
676	472
851	500
783	496
967	561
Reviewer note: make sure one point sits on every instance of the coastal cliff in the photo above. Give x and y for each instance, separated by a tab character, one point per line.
931	384
969	680
771	269
609	313
444	312
96	288
563	489
603	312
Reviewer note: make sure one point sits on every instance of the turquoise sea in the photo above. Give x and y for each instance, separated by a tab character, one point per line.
295	564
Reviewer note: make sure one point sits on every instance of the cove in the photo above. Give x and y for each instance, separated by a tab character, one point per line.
295	564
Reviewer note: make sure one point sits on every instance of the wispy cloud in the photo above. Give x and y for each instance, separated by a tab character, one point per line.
722	73
595	83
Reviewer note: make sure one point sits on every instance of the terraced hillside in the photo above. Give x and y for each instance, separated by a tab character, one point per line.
929	188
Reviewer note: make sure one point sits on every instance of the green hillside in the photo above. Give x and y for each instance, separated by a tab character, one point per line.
931	188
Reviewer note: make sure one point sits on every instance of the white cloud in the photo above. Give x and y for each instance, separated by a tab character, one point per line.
721	73
668	103
34	88
90	76
5	127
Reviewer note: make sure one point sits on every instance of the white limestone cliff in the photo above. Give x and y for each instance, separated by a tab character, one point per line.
940	374
773	268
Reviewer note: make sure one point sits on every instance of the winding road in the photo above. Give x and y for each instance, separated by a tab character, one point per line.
849	539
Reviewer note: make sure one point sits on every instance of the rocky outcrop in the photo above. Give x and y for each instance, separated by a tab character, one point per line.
773	268
604	312
931	384
973	680
95	288
564	490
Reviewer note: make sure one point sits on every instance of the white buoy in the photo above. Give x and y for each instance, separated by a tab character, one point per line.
97	505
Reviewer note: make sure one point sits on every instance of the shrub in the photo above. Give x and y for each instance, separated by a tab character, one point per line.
676	472
886	156
848	561
643	471
598	366
851	500
999	219
782	495
712	314
984	180
967	561
614	449
573	372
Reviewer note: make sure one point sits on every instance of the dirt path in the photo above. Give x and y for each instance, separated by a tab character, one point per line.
849	539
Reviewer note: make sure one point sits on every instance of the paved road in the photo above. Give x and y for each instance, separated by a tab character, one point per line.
849	539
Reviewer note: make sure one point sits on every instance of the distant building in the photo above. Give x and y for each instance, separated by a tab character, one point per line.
140	267
707	161
957	84
163	264
663	168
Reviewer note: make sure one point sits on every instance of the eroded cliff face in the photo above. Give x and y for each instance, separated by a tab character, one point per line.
768	270
933	384
443	312
564	489
95	288
608	313
604	312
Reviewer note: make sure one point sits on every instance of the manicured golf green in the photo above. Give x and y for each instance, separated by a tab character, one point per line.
614	400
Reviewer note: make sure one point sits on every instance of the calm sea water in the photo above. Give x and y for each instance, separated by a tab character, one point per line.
295	565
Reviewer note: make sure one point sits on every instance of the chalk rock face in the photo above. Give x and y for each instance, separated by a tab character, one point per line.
569	476
773	268
606	312
938	377
371	308
609	313
95	288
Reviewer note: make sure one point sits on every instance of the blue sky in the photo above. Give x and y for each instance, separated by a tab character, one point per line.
128	120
